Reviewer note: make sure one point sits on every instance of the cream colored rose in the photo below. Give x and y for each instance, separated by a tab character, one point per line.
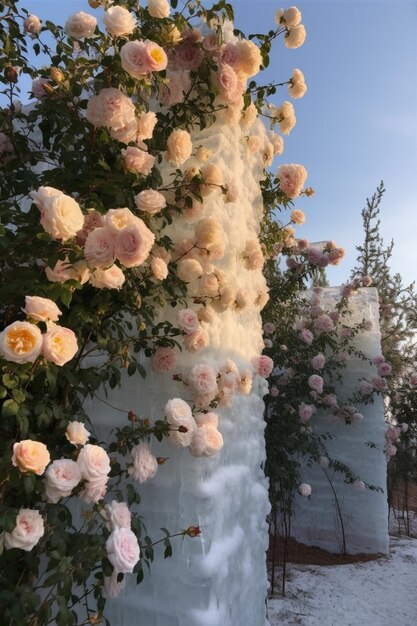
111	278
94	463
254	143
21	342
159	268
146	124
253	255
277	142
61	477
27	532
249	58
119	21
144	465
179	147
189	270
126	133
209	233
203	154
32	24
289	17
150	201
248	117
159	8
133	244
286	118
41	309
187	320
206	314
59	345
77	434
207	440
80	25
297	87
30	456
208	285
117	219
295	37
180	418
213	179
61	215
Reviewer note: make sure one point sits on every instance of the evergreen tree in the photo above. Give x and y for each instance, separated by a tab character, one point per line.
397	302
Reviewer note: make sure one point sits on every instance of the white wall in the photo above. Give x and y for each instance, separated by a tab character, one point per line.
365	513
219	578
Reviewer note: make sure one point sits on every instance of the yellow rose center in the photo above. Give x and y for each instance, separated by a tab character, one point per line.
20	340
157	55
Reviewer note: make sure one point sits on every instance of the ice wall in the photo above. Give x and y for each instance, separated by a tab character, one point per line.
219	578
365	513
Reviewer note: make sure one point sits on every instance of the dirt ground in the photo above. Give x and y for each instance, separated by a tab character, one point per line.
310	555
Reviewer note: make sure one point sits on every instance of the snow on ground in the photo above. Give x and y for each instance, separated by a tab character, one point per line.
373	593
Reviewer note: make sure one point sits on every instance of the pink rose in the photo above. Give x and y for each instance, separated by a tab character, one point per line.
366	387
305	489
112	587
316	383
38	87
138	160
413	379
203	380
140	57
145	465
123	550
292	179
111	278
94	491
59	345
178	84
163	360
306	336
229	86
384	369
305	411
188	57
197	340
330	400
110	108
263	365
27	532
207	440
99	248
118	515
133	244
318	361
94	463
61	477
187	320
80	25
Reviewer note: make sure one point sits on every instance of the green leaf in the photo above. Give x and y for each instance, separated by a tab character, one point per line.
9	408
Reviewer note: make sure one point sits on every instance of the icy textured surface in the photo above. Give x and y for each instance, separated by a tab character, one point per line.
365	513
219	578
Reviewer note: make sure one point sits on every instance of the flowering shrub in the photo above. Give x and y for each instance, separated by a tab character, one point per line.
98	166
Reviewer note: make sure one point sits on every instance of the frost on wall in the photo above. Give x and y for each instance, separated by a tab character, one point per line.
364	512
218	578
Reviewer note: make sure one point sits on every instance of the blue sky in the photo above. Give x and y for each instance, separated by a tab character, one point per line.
356	125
